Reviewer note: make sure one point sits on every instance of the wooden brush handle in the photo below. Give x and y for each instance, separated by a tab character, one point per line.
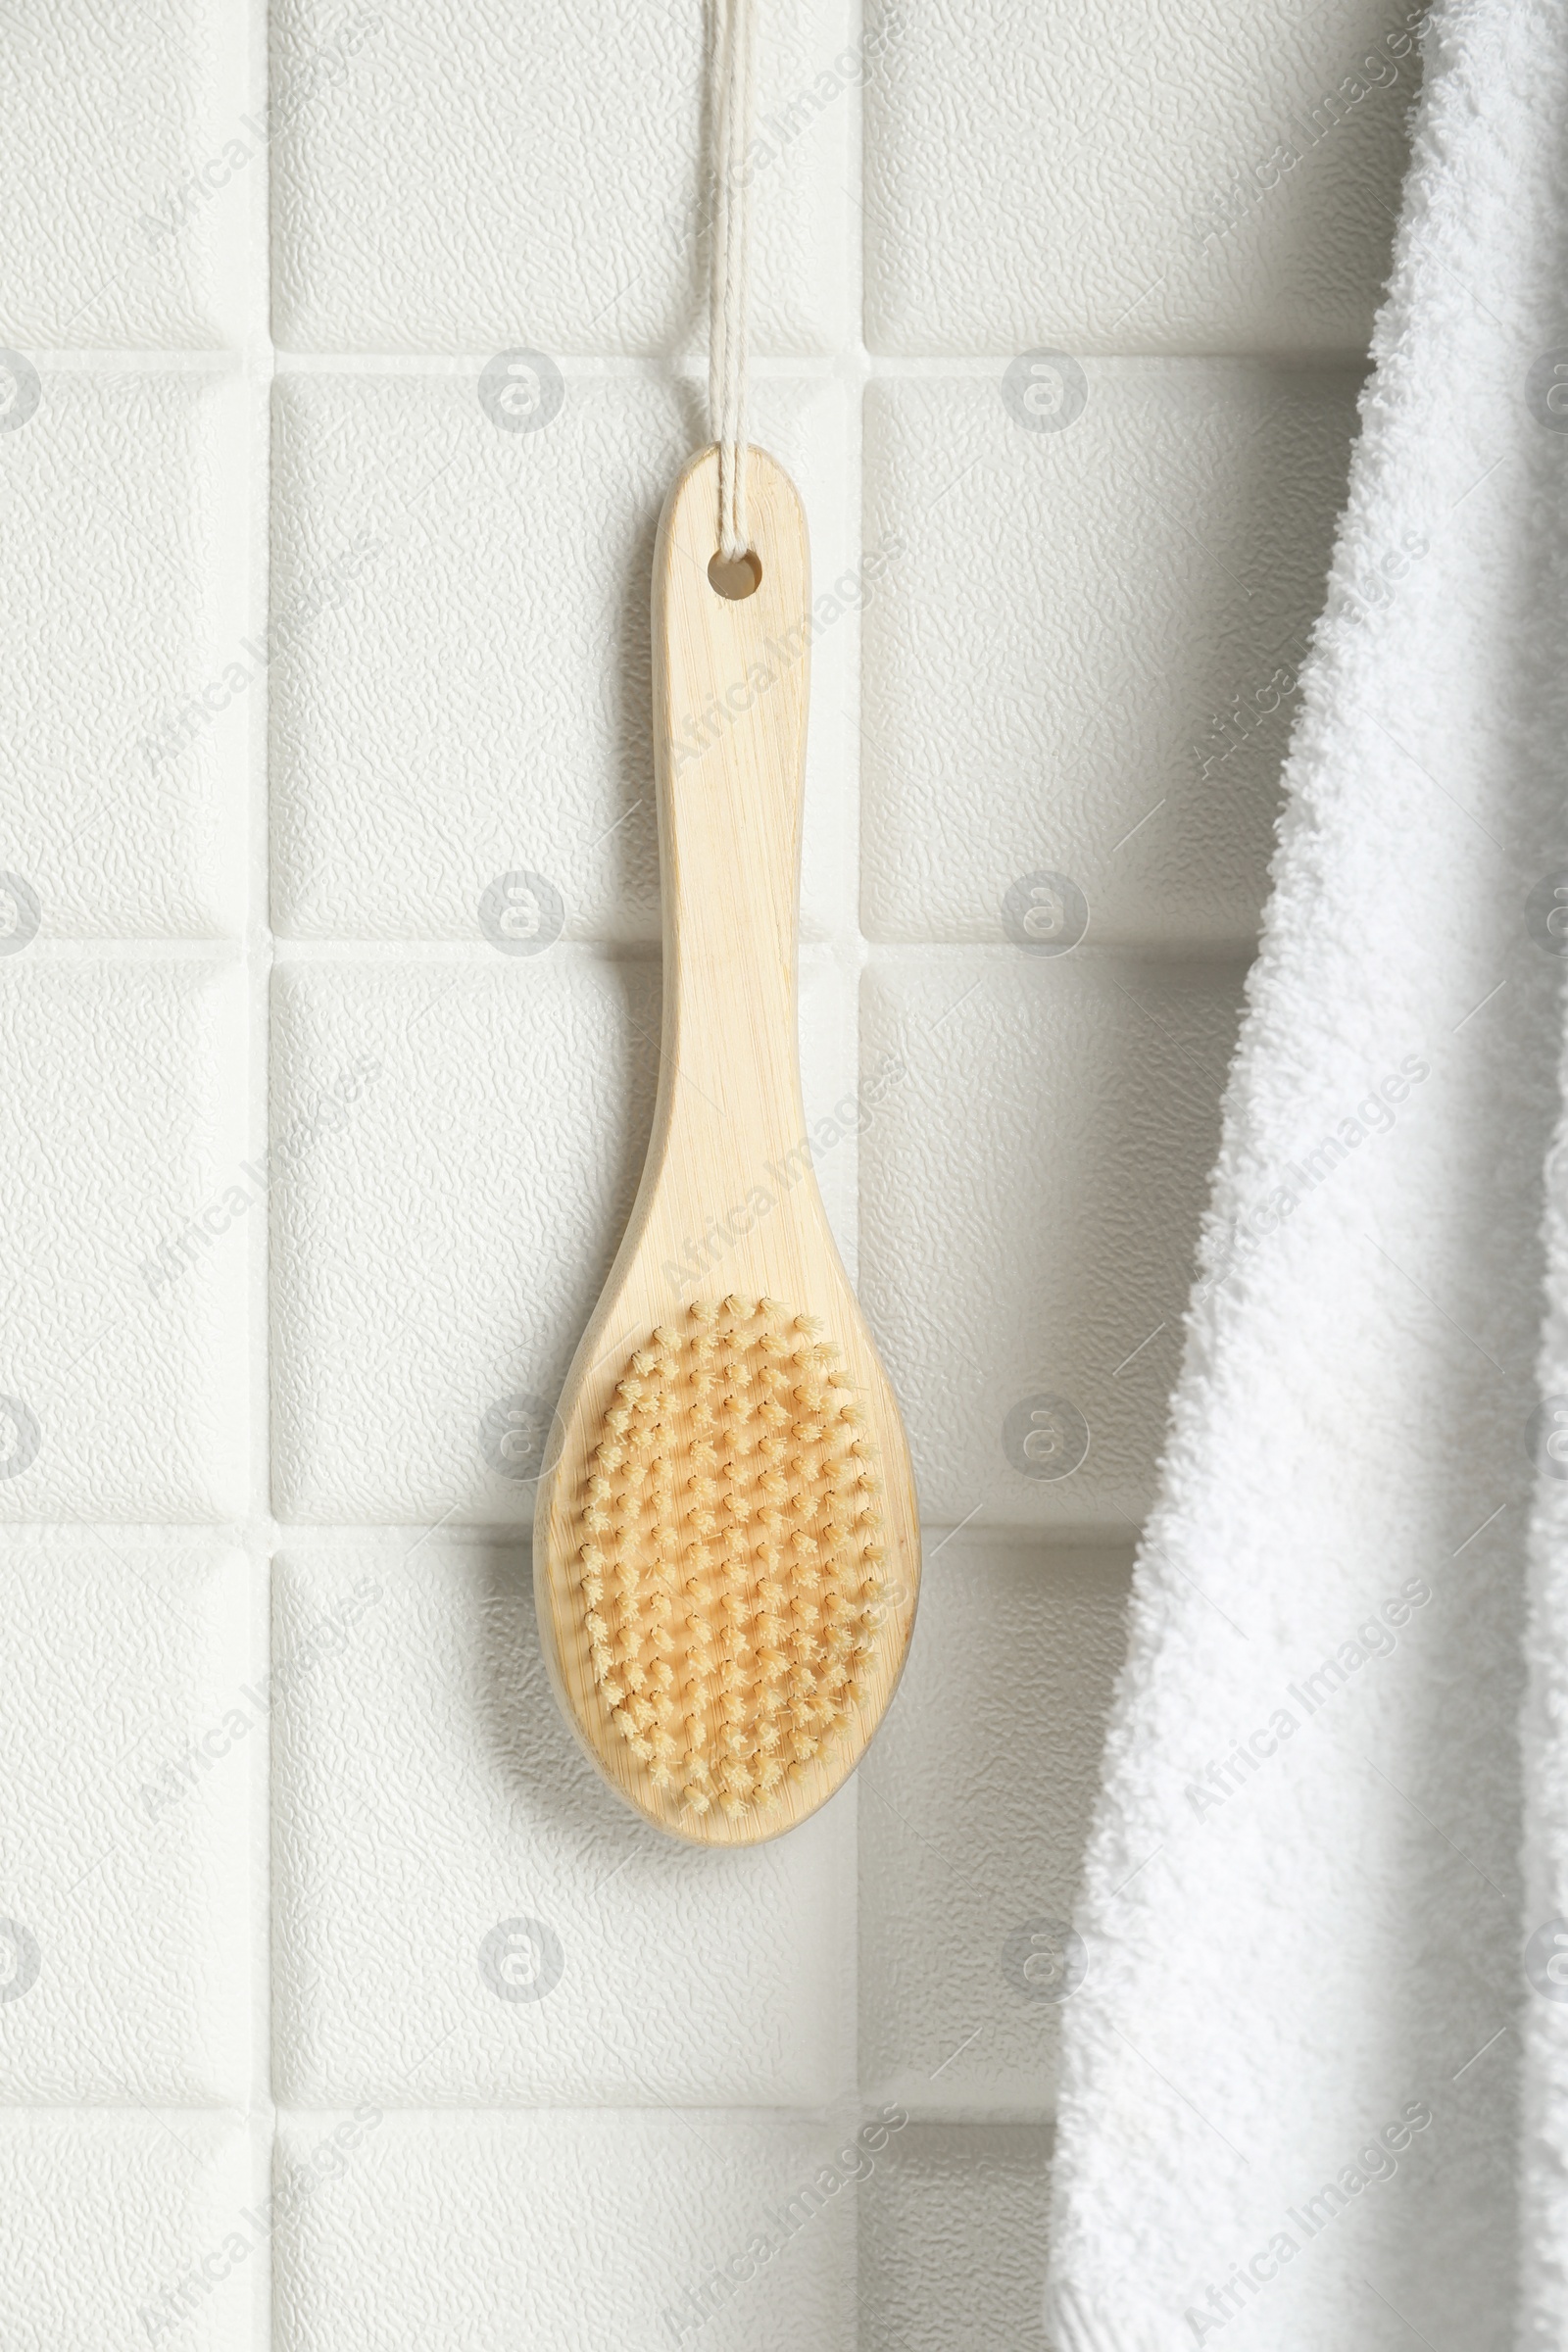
730	688
725	1665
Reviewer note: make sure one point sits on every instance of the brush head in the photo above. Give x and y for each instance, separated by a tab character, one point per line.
730	1555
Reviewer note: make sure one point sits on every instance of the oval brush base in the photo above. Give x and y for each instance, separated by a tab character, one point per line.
730	1610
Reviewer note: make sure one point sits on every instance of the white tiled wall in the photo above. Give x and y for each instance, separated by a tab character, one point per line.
1121	581
424	1786
1131	177
562	2229
339	2004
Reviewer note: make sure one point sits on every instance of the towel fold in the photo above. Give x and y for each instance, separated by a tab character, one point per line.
1291	2113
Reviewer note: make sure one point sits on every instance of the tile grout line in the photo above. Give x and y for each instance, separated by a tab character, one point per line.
851	360
663	367
260	367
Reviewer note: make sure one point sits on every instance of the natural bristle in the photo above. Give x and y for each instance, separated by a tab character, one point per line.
727	1530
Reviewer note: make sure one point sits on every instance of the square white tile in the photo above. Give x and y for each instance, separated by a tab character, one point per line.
129	167
1029	1209
128	1758
126	2228
494	181
124	1376
1216	177
976	1805
461	690
454	1151
437	2234
127	678
1085	663
953	2240
465	1915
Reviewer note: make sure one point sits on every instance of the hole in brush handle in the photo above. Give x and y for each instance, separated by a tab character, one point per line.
735	577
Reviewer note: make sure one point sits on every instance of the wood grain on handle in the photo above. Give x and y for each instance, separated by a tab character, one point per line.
731	683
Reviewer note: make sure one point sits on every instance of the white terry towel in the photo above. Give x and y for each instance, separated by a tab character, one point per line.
1291	2113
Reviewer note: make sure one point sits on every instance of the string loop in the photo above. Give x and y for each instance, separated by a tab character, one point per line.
732	99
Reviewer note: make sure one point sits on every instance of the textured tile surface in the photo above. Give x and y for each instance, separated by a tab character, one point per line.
473	700
976	1805
455	1153
126	2228
124	1250
465	1915
409	2240
1086	660
127	1749
470	1135
110	796
110	124
462	688
1030	1196
493	185
1213	176
952	2240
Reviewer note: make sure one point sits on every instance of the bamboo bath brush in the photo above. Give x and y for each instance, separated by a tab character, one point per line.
726	1542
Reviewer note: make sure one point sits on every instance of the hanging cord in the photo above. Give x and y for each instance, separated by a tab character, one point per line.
734	26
